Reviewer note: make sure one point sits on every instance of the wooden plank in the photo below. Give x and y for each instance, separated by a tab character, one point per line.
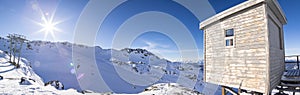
287	73
291	89
292	73
292	55
223	90
290	79
290	85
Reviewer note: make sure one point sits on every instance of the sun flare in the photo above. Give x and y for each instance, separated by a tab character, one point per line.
47	23
49	26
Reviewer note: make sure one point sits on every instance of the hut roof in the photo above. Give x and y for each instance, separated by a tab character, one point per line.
273	4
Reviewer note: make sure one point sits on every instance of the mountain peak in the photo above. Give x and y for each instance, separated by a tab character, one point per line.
138	50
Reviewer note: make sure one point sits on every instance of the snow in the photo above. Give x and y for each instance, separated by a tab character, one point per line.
10	84
168	89
12	76
127	67
93	69
106	69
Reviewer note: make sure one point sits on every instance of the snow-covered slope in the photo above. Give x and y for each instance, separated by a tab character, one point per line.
122	71
10	84
168	89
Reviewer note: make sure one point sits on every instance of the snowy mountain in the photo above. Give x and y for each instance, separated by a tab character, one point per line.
119	71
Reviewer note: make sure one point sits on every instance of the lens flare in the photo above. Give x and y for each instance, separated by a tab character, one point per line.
47	23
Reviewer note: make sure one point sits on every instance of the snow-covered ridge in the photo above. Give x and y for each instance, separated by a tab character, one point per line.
143	51
53	61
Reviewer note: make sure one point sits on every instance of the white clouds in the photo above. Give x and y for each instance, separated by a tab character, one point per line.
155	48
152	45
171	52
292	51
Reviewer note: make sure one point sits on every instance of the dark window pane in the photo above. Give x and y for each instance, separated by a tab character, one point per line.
229	33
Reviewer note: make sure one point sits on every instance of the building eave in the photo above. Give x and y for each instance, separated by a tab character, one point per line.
273	5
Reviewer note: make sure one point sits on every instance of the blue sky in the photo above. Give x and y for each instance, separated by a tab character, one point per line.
24	17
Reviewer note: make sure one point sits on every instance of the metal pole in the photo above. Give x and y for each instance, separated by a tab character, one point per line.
298	62
10	47
14	53
20	52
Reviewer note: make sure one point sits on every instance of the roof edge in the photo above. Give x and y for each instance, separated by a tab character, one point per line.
276	7
240	7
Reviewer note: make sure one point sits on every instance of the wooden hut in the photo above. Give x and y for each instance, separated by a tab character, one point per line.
244	46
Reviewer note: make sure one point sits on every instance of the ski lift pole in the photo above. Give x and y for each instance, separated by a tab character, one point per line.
22	41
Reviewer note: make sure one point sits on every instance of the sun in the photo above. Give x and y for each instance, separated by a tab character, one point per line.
47	23
48	26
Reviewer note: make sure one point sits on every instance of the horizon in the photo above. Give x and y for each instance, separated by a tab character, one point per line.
184	61
56	20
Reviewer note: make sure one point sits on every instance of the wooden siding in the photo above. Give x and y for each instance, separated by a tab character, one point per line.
244	63
276	49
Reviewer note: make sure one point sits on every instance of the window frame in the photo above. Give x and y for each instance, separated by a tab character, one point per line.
229	38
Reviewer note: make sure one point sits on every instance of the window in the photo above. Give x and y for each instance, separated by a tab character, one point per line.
229	42
229	37
280	39
229	33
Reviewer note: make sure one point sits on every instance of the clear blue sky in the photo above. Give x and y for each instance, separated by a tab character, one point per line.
23	16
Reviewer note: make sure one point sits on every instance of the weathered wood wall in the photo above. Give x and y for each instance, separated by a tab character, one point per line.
276	48
247	62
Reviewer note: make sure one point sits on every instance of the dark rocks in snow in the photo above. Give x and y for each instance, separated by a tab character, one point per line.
86	91
140	67
180	68
29	47
26	81
135	69
168	61
136	51
57	84
32	79
22	80
1	77
5	52
65	43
